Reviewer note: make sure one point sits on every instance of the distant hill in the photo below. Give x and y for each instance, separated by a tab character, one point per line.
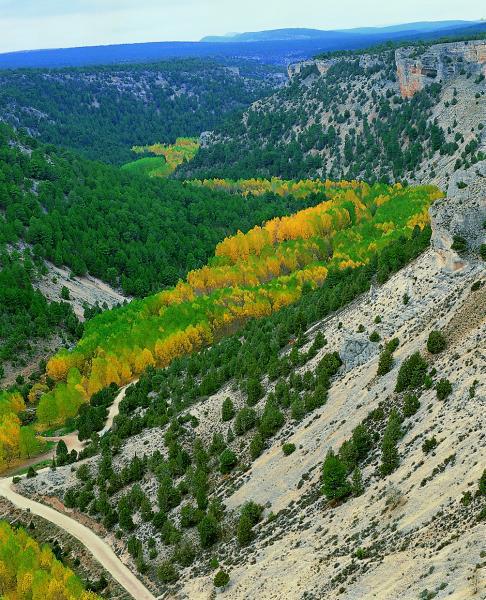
319	34
279	47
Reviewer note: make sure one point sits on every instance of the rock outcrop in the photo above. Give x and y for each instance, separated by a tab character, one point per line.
464	215
440	63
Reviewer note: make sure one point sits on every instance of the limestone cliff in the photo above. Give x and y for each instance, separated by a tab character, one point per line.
439	63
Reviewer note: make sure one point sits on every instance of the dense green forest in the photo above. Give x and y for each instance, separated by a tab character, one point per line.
349	123
74	108
135	233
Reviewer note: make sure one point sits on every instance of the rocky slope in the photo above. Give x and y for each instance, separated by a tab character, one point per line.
414	113
412	531
415	530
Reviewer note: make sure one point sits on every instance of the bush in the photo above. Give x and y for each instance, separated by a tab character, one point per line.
385	363
411	405
436	342
256	446
251	513
271	420
459	244
167	572
429	445
412	373
375	337
482	251
288	449
254	391
482	484
221	579
209	531
245	420
184	554
31	472
227	410
227	461
190	516
335	485
392	345
389	453
443	389
244	531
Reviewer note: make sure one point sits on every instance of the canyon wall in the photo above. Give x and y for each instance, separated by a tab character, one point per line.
439	63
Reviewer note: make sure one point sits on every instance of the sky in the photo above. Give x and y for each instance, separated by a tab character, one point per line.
34	24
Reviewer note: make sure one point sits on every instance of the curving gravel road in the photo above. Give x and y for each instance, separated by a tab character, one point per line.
98	547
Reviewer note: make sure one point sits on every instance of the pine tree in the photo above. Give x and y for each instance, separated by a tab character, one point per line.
334	477
357	482
227	410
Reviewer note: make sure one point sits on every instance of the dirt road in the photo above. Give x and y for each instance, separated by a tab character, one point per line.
98	547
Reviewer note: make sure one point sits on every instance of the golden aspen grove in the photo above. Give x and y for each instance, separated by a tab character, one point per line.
29	571
251	275
16	440
166	157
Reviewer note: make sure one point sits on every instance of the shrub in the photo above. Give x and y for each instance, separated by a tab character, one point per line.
221	579
412	373
31	472
297	409
459	244
411	405
288	449
227	410
227	461
245	420
334	477
357	482
253	511
389	452
272	419
385	363
482	484
167	572
392	345
256	445
190	516
209	531
429	445
254	391
375	337
184	554
443	389
244	531
377	319
436	342
482	251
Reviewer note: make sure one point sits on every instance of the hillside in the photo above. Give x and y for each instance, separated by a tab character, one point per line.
243	322
78	236
310	34
251	275
413	114
229	475
74	108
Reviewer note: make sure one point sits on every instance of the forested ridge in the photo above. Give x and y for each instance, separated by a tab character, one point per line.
348	123
135	233
74	107
251	275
